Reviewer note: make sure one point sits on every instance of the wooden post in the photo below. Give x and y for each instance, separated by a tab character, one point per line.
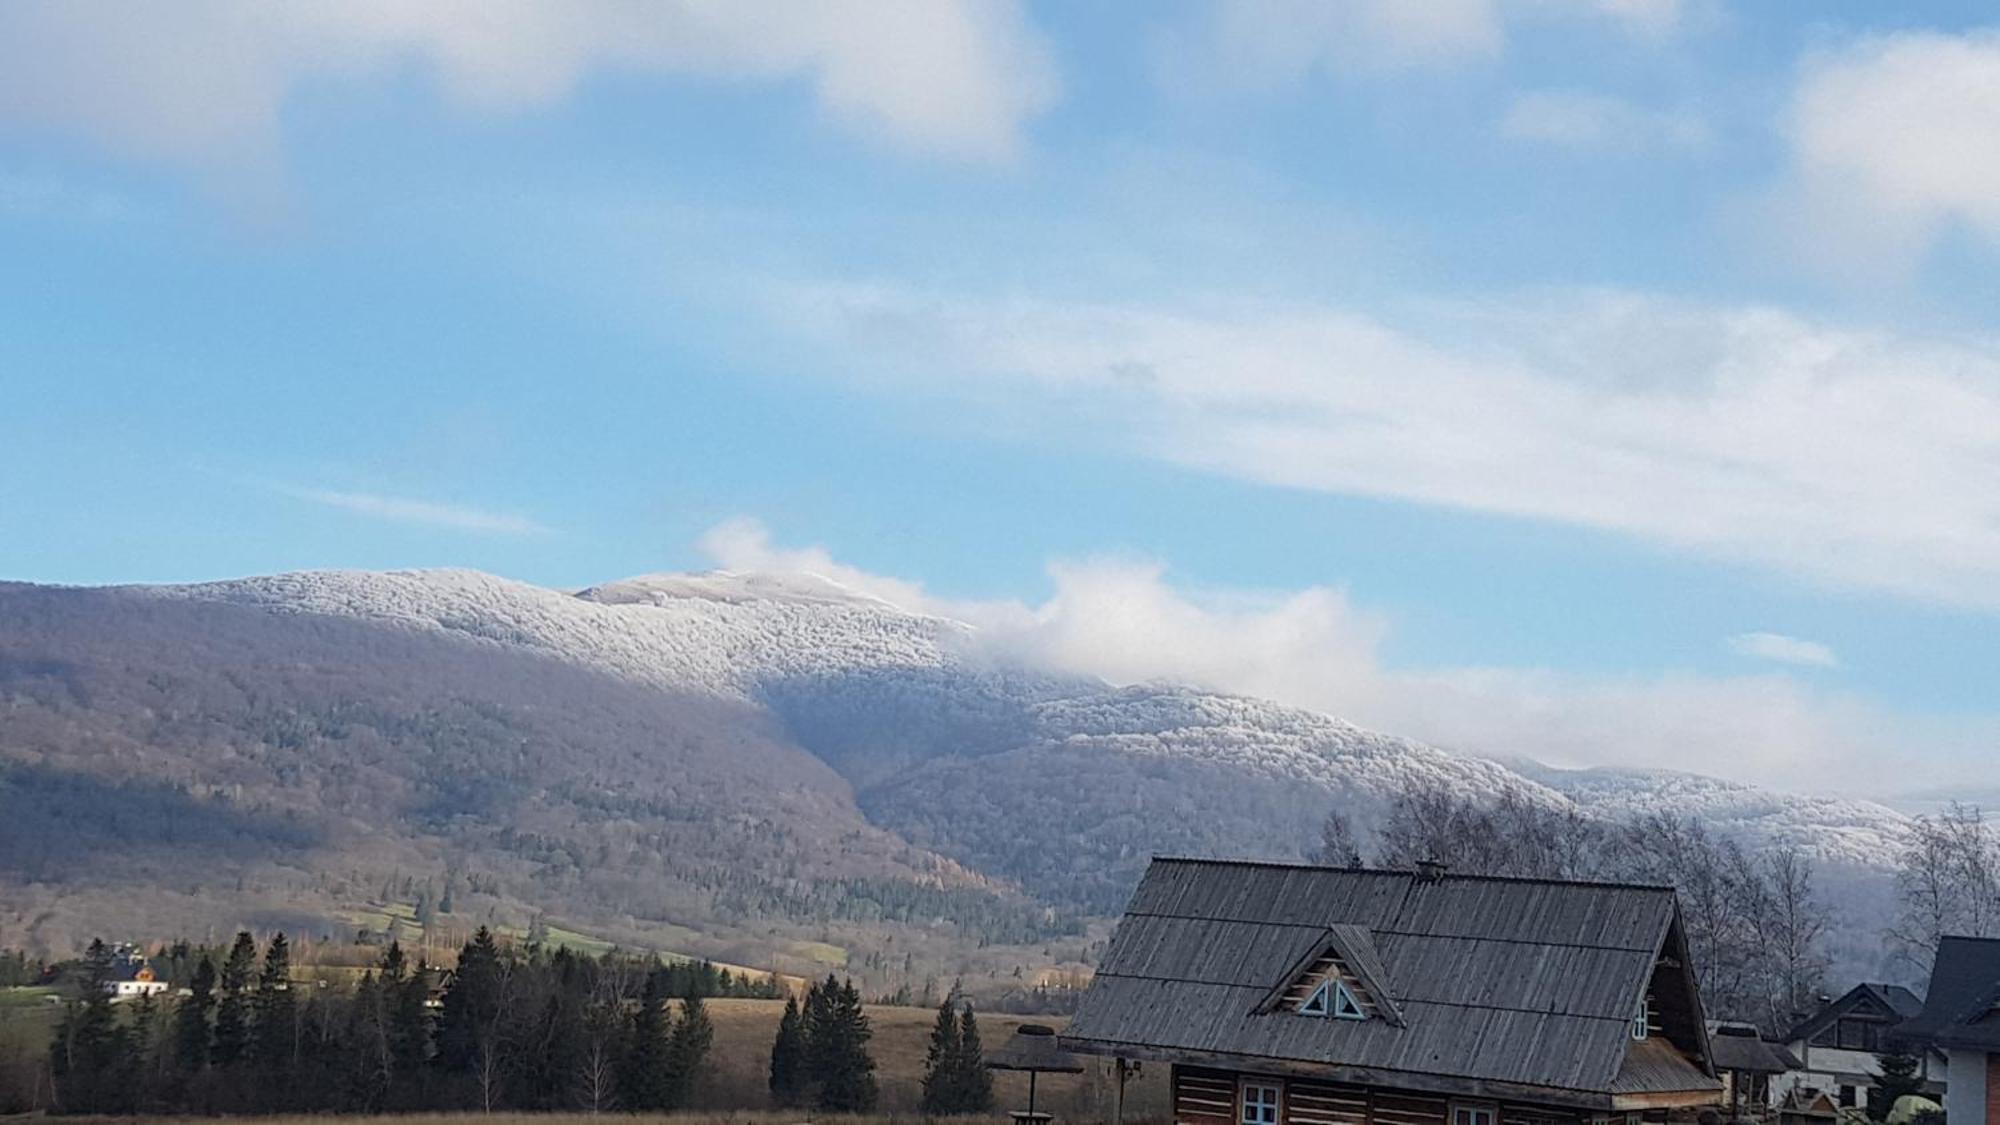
1118	1105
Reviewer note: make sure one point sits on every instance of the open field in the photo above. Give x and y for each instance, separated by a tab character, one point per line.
689	1118
744	1029
740	1057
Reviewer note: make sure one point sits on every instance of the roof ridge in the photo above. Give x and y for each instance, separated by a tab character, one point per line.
1543	880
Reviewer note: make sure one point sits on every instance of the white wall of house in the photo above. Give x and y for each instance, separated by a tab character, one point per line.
1965	1092
1828	1069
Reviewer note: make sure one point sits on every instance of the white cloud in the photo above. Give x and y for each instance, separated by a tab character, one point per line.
1852	459
402	509
1894	142
1126	622
1574	119
1272	44
1783	649
204	83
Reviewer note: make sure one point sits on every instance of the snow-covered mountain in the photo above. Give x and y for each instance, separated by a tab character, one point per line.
816	722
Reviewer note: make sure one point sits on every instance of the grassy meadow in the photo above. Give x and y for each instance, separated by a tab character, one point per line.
735	1088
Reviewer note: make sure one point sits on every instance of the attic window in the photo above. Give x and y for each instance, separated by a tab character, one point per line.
1642	1021
1332	998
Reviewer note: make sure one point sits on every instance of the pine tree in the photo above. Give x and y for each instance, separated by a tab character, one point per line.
1897	1077
687	1052
91	1055
975	1082
643	1079
275	1036
471	1005
365	1044
846	1079
191	1019
405	993
941	1064
232	1011
788	1057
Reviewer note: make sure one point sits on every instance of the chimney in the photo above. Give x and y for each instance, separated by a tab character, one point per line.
1430	871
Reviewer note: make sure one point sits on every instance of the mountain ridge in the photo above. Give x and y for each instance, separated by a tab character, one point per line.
821	735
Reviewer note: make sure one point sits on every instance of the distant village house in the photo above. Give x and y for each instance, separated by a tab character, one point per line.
131	976
1836	1045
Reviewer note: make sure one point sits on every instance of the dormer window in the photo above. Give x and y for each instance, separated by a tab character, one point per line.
1642	1022
1332	998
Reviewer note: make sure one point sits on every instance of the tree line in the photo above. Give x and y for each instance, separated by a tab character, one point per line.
1756	925
527	1028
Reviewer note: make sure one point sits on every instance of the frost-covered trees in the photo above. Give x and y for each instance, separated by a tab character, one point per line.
1756	928
1947	882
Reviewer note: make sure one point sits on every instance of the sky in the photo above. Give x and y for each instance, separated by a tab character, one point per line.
1611	382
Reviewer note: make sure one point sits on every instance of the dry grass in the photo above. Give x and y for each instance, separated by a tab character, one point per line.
689	1118
741	1056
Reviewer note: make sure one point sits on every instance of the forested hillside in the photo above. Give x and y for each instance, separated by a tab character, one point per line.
763	769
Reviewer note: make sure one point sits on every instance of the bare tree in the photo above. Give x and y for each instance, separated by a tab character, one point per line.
597	1067
1947	882
1336	843
1793	933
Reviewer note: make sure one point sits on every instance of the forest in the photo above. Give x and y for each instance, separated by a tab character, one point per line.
509	1027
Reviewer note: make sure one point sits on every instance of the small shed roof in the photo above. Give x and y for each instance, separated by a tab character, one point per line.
1739	1047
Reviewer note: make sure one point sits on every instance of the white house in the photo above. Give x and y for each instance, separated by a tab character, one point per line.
131	978
1836	1045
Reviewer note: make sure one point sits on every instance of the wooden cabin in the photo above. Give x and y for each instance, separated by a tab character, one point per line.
1290	995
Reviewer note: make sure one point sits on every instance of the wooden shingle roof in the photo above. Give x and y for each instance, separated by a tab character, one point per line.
1502	984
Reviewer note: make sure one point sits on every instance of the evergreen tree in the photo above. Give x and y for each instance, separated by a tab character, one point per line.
364	1042
788	1057
846	1078
91	1054
274	1038
643	1083
1897	1076
975	1082
191	1019
471	1005
405	993
687	1052
941	1063
232	1011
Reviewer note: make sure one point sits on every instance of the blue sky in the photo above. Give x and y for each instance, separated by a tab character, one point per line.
1616	381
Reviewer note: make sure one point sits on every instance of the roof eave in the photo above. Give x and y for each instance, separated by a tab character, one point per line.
1446	1084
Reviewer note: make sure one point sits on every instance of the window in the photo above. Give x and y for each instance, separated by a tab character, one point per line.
1260	1104
1333	998
1473	1115
1847	1097
1317	1004
1859	1035
1642	1021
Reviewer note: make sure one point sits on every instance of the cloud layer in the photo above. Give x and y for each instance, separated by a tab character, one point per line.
1781	649
1893	144
205	83
1853	459
402	509
1125	621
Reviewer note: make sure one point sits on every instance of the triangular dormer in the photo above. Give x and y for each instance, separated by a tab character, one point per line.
1341	977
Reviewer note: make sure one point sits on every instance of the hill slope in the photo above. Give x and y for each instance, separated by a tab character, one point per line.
748	764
